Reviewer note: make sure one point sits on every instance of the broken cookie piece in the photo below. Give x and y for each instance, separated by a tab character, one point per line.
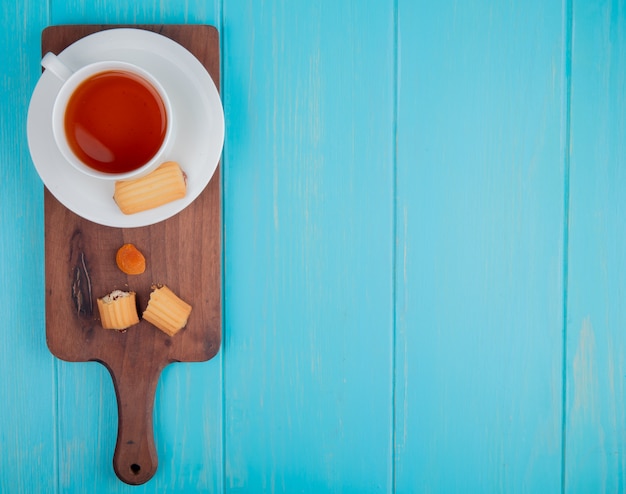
118	310
167	311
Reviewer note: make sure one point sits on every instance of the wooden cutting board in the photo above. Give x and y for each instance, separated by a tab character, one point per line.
183	252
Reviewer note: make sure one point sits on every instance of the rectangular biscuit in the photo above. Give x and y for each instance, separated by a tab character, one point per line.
167	311
161	186
118	310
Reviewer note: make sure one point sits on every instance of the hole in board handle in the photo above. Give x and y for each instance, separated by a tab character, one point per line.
135	468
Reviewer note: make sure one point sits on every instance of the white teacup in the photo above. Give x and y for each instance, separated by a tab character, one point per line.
111	120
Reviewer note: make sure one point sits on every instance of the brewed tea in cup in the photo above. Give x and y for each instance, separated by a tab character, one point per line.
111	119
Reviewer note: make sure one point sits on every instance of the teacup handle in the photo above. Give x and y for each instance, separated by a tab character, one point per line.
52	63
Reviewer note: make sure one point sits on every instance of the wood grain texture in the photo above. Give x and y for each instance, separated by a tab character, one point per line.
309	246
183	252
28	402
596	341
422	257
188	402
480	200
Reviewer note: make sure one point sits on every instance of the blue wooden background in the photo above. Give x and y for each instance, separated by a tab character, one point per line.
424	256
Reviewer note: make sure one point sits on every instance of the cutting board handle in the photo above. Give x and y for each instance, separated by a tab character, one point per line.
135	459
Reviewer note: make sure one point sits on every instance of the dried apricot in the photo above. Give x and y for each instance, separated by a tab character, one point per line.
130	260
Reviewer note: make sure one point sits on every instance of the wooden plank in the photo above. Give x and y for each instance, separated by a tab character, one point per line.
137	12
28	383
481	129
480	233
77	249
308	232
188	402
198	471
596	341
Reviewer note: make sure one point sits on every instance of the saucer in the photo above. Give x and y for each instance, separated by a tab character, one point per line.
196	106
